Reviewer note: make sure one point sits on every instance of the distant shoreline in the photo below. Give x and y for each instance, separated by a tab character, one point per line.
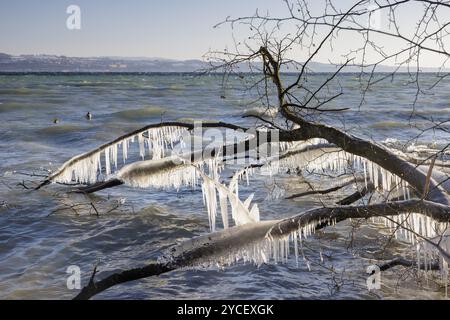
174	73
50	64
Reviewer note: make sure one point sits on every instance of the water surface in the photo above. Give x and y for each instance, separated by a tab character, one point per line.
37	244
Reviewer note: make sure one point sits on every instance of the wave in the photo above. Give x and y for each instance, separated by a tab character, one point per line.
431	111
146	112
389	124
13	106
261	111
23	92
62	129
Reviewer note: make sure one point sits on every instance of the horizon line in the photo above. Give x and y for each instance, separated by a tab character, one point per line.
443	69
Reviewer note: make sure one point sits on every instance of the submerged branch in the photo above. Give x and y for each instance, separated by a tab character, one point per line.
99	186
357	195
329	190
95	287
408	263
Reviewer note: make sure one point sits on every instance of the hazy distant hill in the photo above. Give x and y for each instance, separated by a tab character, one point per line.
52	63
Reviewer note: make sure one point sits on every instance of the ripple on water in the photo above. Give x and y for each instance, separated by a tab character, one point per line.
145	112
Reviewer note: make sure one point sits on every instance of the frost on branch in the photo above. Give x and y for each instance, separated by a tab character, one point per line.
86	168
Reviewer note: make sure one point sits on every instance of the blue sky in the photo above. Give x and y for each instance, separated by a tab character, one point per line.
153	28
173	29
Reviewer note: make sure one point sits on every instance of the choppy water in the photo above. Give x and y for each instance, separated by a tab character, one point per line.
36	248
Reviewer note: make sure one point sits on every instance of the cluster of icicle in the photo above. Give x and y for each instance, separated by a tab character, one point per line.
427	254
291	156
171	172
409	227
341	162
241	212
413	228
87	167
154	142
278	248
275	249
184	175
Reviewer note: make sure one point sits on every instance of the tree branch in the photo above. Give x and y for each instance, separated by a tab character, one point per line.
225	242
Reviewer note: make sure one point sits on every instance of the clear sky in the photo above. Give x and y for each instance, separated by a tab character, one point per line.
175	29
178	29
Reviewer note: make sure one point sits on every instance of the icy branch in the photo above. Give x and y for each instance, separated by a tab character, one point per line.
258	242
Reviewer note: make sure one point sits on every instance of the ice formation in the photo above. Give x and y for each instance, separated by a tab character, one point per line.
292	155
174	172
240	211
409	227
340	162
277	247
239	175
254	245
86	168
169	172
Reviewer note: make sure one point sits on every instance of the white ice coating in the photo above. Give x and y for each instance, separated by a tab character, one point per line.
180	176
269	248
339	162
292	155
210	201
240	175
240	212
173	171
438	249
87	168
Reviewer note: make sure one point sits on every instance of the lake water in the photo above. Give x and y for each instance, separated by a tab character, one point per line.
38	244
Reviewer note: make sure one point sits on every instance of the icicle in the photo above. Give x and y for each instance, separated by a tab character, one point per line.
114	152
254	212
295	239
107	162
365	174
141	146
224	208
125	150
239	211
149	142
211	201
